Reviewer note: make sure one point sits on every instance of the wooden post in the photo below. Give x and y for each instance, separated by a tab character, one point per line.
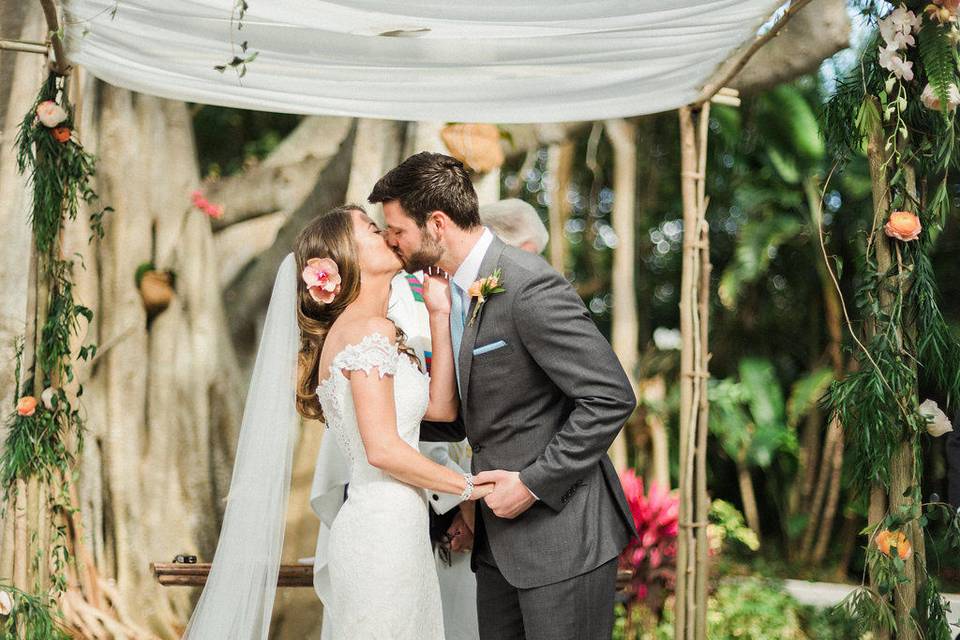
560	166
624	333
694	356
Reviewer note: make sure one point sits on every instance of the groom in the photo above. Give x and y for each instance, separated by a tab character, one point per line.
542	397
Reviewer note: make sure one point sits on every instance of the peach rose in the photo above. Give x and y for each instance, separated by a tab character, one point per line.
50	113
27	405
61	134
903	225
888	539
322	278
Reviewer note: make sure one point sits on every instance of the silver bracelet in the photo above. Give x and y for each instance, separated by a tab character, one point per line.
467	490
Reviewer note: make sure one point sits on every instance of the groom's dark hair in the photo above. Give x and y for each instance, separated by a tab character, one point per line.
428	182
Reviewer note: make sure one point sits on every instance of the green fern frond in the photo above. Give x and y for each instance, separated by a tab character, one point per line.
939	59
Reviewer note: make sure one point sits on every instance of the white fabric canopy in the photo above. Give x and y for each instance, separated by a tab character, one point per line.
437	60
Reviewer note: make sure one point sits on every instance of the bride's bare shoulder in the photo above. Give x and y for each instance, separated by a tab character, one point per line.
348	331
362	327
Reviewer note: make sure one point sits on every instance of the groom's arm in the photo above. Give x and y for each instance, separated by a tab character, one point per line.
443	431
560	335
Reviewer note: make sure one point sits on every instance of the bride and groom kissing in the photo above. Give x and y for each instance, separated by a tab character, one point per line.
517	366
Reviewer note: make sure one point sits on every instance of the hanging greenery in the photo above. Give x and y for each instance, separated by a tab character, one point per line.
900	103
45	428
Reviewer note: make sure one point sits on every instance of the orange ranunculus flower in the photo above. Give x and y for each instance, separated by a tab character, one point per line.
26	406
60	134
903	225
888	539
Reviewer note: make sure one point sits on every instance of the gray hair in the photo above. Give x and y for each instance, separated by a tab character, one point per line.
515	222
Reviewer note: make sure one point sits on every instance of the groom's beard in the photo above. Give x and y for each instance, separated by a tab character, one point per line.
425	256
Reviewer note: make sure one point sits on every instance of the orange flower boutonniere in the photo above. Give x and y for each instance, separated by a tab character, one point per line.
482	289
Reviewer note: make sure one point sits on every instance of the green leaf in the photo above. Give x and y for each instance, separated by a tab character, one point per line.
938	55
806	392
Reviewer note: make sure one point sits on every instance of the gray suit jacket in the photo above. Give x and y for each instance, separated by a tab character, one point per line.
544	394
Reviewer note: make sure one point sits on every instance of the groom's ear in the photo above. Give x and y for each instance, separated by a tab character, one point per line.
438	221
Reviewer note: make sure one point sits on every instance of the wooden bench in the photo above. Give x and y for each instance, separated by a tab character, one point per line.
177	574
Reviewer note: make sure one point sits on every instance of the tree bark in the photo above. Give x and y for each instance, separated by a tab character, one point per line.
248	294
284	178
815	33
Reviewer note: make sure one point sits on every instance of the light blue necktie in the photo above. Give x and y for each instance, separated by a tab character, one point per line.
457	318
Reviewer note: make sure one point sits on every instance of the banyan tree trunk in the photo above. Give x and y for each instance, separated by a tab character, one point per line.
163	397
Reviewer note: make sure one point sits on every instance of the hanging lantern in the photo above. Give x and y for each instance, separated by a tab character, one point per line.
475	145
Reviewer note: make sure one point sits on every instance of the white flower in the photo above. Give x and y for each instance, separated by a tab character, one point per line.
932	101
6	603
937	422
889	60
50	113
904	20
47	397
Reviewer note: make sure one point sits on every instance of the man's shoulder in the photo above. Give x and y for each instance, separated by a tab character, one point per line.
523	270
523	265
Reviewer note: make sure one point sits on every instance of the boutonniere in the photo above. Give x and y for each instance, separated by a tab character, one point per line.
482	289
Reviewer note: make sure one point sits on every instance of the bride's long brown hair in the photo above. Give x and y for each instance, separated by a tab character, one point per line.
329	235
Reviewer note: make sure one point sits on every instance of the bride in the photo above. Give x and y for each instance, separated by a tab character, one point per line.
327	335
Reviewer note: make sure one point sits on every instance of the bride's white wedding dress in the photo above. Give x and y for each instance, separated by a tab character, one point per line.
382	572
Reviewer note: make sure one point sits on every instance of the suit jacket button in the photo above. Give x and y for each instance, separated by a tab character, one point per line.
477	448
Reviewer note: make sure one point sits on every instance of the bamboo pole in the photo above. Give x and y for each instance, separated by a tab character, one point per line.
694	304
702	511
22	46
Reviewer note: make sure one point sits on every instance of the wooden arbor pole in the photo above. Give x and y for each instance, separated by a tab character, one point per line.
691	593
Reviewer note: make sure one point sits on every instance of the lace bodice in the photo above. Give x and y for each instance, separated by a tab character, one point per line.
411	390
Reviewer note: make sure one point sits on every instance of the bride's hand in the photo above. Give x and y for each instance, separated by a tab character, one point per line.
436	292
481	491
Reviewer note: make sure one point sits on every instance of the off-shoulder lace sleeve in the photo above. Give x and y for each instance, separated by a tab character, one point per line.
375	350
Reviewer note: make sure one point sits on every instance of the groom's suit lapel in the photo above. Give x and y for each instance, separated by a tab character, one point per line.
490	261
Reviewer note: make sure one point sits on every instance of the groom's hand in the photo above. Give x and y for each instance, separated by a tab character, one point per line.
510	497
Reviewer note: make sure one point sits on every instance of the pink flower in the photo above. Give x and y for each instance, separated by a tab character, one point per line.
642	592
322	278
212	210
50	113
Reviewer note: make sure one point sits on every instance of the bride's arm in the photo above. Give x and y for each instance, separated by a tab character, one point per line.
375	405
444	400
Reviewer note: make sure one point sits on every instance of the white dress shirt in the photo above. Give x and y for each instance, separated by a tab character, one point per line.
469	269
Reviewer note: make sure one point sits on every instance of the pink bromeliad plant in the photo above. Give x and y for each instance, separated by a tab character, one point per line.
652	554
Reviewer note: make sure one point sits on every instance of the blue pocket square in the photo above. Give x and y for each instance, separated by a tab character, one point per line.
487	348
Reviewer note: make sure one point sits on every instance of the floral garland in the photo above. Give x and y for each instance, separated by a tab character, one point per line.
903	98
45	429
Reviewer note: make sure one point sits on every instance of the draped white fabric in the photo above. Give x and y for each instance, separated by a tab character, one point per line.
438	60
